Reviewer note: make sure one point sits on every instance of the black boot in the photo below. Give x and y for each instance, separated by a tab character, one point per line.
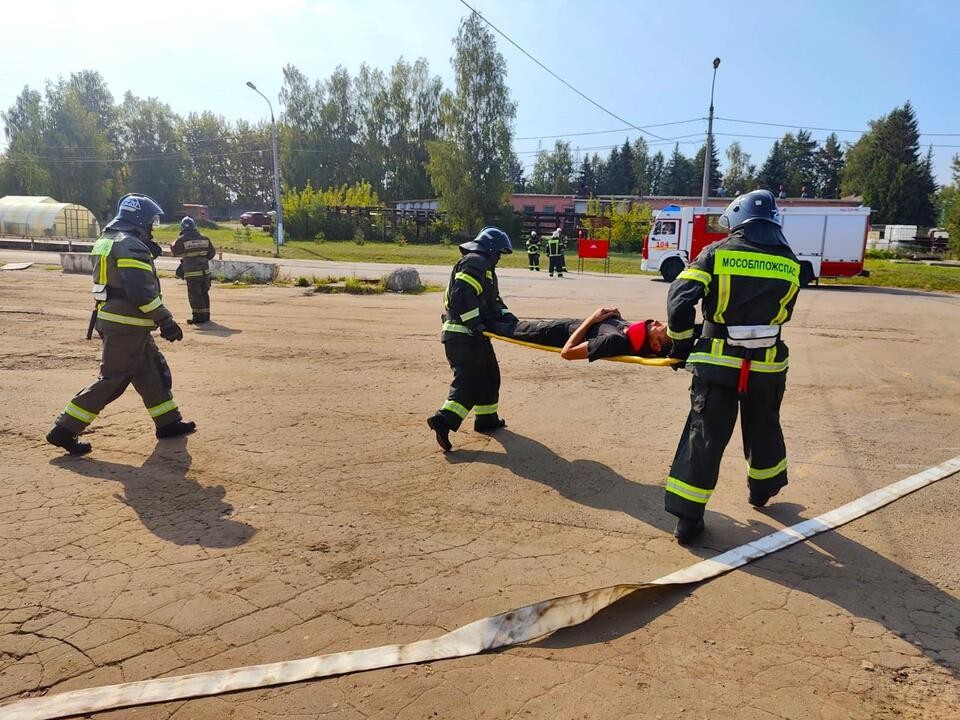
488	426
176	429
688	529
440	429
759	499
61	437
190	321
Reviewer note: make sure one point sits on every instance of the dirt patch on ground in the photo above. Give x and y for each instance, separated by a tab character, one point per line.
313	512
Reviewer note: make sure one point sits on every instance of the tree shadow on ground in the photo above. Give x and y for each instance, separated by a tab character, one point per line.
169	504
843	572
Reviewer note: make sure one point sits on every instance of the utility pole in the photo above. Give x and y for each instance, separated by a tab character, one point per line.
276	171
708	154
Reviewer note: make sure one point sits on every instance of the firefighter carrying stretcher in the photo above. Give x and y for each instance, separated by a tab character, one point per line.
748	286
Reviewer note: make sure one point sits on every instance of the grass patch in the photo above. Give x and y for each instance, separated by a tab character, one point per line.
900	274
260	243
350	285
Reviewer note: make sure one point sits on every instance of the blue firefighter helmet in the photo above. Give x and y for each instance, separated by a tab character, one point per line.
751	207
187	224
489	240
141	211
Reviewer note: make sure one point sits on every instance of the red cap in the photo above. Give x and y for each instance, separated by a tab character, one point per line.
637	334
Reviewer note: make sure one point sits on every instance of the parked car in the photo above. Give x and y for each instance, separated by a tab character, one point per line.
257	219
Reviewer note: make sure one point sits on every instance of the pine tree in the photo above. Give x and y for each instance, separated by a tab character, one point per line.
884	166
585	183
829	165
801	167
773	173
716	177
678	174
641	167
655	174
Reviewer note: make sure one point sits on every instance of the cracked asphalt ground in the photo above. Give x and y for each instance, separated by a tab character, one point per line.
313	512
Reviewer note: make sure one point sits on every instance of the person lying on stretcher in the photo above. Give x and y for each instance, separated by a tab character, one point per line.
604	334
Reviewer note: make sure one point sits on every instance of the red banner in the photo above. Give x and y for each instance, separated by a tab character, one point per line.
589	248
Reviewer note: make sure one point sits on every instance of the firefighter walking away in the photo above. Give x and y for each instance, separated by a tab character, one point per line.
128	307
197	251
472	304
748	285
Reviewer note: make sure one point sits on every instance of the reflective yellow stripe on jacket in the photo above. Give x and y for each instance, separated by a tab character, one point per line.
124	319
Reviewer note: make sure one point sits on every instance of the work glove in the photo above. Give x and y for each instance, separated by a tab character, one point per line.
680	350
169	330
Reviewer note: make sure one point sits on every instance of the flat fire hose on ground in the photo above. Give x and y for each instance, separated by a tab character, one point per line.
510	628
635	359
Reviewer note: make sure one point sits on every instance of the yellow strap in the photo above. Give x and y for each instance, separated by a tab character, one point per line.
470	280
131	263
656	362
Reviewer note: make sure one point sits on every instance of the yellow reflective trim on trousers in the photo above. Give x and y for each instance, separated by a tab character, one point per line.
754	264
681	335
151	306
687	491
456	327
486	409
735	362
701	276
787	297
456	408
470	280
131	263
124	319
75	411
767	473
470	314
195	273
162	409
723	297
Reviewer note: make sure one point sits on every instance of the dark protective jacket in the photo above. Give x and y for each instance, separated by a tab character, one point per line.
196	250
533	244
748	279
556	245
125	282
472	301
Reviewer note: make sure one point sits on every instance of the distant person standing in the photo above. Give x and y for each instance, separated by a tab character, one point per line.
782	194
533	250
803	192
556	245
197	251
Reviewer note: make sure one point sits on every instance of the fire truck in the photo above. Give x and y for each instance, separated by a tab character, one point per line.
828	241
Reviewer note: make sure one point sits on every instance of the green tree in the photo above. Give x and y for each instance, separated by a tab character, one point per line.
885	167
585	183
773	172
553	170
801	165
655	174
156	162
740	176
24	173
641	167
829	168
468	166
207	143
679	174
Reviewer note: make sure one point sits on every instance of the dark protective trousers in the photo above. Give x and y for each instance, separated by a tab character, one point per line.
552	333
713	414
198	293
476	382
534	259
129	356
557	264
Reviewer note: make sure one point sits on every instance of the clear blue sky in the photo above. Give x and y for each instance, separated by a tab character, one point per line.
833	64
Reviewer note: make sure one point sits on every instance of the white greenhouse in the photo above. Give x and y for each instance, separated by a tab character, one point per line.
44	217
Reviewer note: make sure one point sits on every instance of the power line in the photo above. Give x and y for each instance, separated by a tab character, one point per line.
585	97
603	132
825	129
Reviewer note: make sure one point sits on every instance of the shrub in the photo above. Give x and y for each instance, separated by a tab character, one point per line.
400	239
302	282
359	237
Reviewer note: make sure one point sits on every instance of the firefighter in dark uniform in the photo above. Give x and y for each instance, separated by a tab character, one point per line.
533	250
556	245
197	251
748	285
472	304
128	307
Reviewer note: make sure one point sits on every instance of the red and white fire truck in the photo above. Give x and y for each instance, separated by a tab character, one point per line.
828	241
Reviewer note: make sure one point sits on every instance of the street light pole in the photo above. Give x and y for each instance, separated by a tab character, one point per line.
708	154
276	171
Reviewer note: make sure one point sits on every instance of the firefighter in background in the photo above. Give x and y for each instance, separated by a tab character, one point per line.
533	250
472	304
556	246
197	251
128	307
748	286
